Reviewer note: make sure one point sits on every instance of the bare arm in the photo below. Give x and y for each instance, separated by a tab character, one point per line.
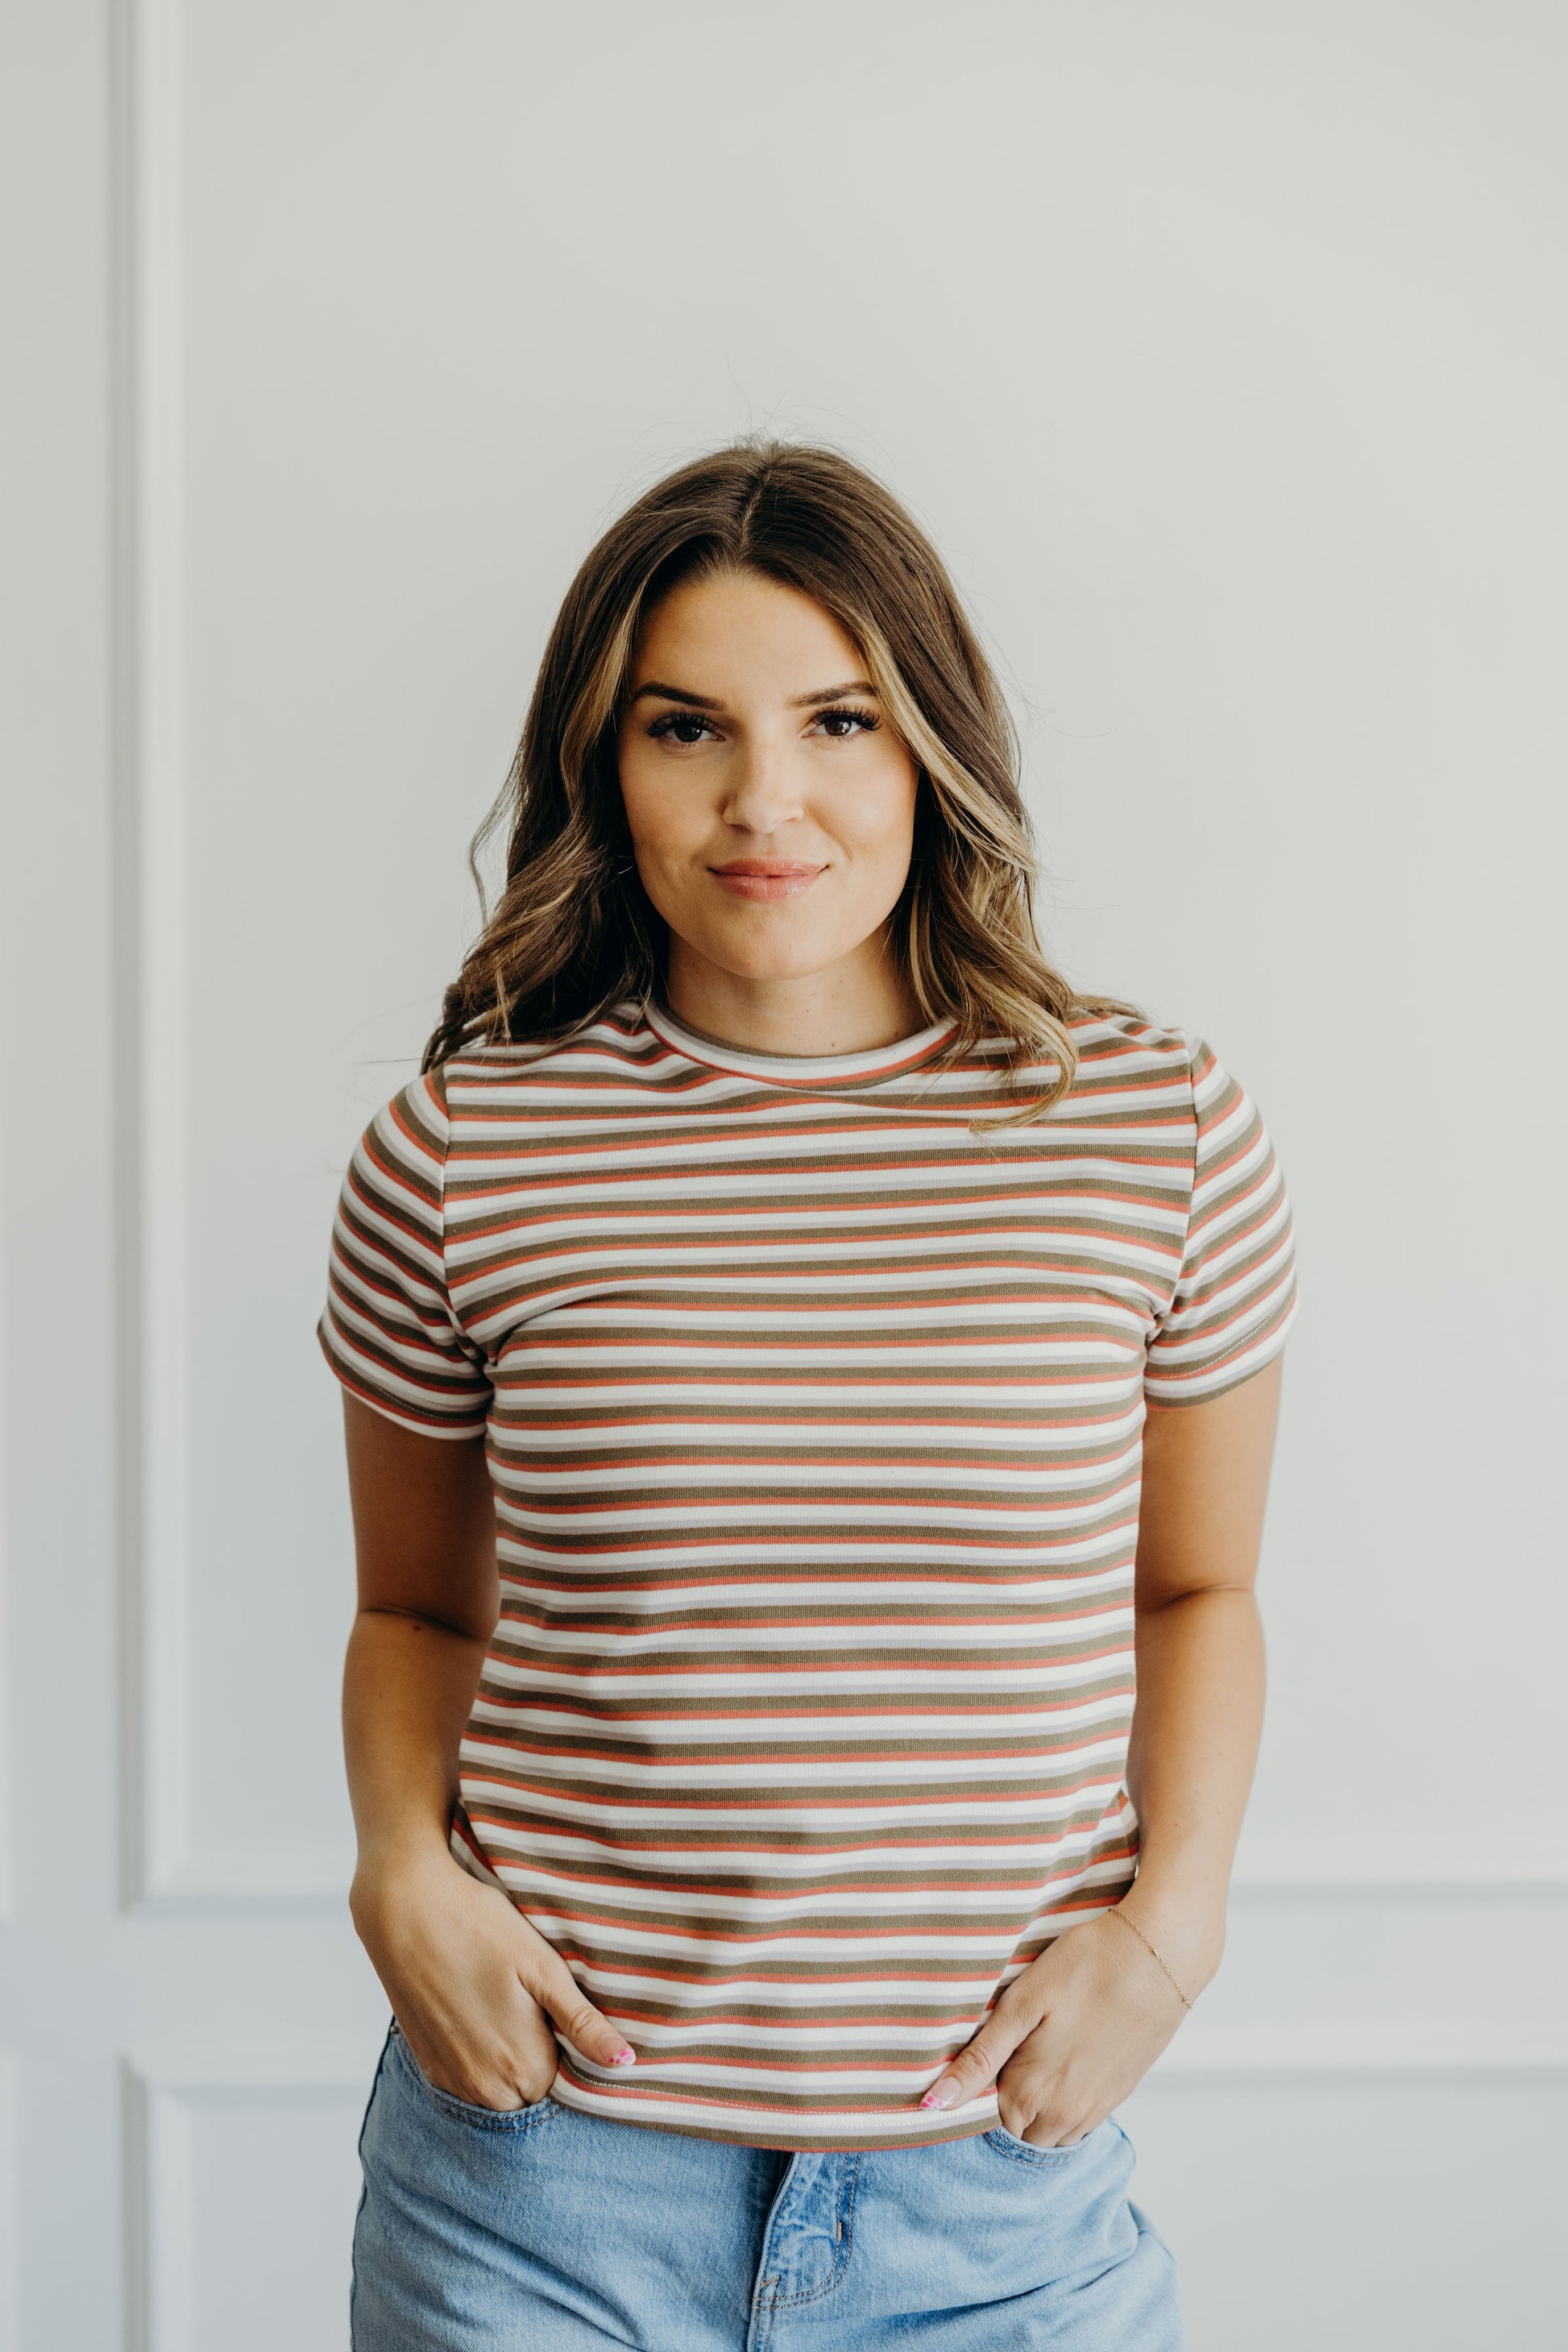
1200	1662
472	1985
1074	2033
428	1594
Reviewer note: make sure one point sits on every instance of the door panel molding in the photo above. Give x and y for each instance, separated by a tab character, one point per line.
1256	2057
167	2088
161	1863
152	1107
10	2220
169	2084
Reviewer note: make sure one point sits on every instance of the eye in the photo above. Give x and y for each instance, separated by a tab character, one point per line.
844	720
682	727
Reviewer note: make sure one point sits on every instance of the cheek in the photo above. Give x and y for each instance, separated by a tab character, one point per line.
876	818
659	821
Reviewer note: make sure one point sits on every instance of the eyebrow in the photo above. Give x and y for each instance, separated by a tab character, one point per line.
655	690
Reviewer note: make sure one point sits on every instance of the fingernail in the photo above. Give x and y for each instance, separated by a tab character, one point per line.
625	2056
940	2094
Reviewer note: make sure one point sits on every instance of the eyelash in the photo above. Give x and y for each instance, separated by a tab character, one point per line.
867	719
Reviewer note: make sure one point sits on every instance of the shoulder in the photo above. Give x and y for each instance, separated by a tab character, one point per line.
1122	1029
1122	1051
478	1080
1134	1060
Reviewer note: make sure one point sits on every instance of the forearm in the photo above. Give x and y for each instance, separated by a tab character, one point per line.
408	1687
1190	1765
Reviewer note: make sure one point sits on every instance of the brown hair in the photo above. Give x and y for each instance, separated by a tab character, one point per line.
573	932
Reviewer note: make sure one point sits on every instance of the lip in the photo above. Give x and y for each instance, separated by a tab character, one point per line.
766	877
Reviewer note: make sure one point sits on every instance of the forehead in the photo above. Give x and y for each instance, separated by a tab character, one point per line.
737	631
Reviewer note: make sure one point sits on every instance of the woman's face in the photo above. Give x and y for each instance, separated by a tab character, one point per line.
772	808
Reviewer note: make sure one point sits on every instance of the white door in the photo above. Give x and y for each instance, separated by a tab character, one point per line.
1224	350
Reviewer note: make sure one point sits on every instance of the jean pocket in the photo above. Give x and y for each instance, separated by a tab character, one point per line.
1024	2151
464	2110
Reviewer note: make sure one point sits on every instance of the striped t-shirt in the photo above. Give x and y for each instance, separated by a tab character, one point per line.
814	1418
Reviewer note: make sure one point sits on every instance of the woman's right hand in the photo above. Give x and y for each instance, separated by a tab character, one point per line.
478	1994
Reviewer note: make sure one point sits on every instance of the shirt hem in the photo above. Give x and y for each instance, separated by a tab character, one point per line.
802	2138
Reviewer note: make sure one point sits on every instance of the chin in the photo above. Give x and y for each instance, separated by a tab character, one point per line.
778	959
770	958
765	968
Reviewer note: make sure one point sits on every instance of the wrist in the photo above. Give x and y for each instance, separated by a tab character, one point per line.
1186	1927
387	1876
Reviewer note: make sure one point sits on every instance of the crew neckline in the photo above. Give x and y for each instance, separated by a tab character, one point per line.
810	1071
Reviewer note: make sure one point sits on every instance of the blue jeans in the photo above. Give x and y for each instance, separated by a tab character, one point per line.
551	2230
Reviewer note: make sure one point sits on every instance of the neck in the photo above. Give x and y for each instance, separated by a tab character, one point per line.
852	1008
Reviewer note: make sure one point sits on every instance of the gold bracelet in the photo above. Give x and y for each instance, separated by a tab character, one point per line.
1149	1947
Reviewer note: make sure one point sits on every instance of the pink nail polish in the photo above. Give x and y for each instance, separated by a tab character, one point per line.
939	2094
624	2057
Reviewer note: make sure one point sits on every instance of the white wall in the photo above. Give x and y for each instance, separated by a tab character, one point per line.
1224	350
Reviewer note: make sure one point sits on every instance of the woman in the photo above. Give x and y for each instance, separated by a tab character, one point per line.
755	1323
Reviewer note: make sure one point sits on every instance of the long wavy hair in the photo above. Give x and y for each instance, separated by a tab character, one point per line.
573	933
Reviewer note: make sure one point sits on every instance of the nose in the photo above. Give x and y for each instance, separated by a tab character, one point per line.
761	794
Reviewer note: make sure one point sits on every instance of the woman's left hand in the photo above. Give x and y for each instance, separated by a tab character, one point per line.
1071	2037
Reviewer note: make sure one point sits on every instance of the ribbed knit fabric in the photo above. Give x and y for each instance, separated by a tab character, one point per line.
815	1419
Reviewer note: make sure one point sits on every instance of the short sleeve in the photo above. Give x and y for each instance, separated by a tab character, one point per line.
1235	1298
389	1331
